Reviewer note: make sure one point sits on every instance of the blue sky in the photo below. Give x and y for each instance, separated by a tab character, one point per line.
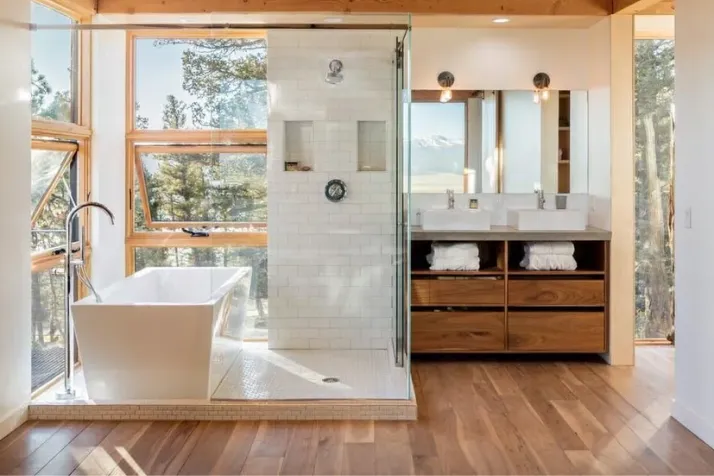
437	119
52	49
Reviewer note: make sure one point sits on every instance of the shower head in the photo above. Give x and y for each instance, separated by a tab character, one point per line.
335	75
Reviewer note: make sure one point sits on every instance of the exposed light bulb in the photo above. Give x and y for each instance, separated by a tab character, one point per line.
446	95
501	20
545	94
536	97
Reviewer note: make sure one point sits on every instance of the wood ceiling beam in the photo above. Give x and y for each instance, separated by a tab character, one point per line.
78	9
634	7
462	7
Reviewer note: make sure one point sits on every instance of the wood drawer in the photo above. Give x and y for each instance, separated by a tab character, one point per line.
466	292
556	292
545	331
458	331
420	292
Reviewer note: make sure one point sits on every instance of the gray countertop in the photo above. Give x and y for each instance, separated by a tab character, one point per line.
506	233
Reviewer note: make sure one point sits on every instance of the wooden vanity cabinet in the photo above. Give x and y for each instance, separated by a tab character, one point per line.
503	308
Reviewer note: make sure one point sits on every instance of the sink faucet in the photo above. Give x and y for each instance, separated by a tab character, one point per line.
78	265
450	198
541	198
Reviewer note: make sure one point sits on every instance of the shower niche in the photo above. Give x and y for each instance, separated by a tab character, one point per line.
371	146
299	146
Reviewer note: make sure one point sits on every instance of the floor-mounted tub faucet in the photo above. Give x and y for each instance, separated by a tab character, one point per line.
78	265
450	198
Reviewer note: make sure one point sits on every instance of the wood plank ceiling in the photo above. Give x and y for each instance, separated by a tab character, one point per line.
463	7
459	7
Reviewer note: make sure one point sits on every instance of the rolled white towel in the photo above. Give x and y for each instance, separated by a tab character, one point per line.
550	248
455	249
539	262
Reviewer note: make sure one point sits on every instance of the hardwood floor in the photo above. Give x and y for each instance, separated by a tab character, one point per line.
476	417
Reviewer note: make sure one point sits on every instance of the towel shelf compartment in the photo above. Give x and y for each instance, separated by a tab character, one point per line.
458	331
556	292
556	331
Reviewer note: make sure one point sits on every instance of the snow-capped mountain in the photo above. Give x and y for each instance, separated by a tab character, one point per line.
437	154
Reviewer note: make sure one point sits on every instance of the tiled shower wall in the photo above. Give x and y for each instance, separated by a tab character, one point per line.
330	274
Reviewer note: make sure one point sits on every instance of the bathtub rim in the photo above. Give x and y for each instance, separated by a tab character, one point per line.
217	295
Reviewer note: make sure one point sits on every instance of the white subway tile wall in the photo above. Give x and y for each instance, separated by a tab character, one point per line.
330	272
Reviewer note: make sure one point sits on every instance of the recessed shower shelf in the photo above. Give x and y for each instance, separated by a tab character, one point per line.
299	150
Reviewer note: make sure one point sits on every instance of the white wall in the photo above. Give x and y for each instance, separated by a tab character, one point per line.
14	208
330	264
694	268
108	153
500	59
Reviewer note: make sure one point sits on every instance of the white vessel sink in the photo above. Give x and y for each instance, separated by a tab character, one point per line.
455	220
547	220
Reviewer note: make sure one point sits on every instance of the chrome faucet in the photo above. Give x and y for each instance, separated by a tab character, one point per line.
78	265
450	198
541	198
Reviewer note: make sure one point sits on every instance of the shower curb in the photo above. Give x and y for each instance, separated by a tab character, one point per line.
230	411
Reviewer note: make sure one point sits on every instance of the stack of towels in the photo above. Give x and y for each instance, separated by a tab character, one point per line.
548	256
454	257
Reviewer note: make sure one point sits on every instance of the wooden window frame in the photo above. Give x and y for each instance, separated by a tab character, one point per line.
197	140
70	149
420	96
63	132
197	149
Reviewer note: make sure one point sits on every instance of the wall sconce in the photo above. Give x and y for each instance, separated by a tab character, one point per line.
445	80
541	81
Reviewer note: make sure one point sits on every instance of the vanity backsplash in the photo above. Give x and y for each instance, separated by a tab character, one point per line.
497	203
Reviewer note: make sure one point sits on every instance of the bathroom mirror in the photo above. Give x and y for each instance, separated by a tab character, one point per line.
544	144
499	141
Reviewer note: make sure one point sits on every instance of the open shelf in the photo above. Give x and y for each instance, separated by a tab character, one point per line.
481	272
577	272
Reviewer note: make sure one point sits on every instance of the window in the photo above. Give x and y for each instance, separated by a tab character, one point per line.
54	67
54	191
60	170
197	118
200	83
201	186
654	180
438	152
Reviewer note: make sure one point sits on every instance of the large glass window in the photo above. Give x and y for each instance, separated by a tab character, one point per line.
200	83
198	164
438	152
654	187
54	67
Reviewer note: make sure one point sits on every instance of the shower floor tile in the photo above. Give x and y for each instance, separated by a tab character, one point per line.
255	373
258	373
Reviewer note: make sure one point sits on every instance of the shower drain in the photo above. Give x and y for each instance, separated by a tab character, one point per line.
330	380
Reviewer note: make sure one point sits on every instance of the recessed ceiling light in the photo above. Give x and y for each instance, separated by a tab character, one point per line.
333	20
501	20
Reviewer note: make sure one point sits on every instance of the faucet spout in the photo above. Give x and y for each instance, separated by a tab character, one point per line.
450	199
540	196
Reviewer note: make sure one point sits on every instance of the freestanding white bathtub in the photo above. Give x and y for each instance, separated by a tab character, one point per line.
151	337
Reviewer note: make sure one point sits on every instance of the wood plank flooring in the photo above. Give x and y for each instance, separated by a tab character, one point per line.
475	417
